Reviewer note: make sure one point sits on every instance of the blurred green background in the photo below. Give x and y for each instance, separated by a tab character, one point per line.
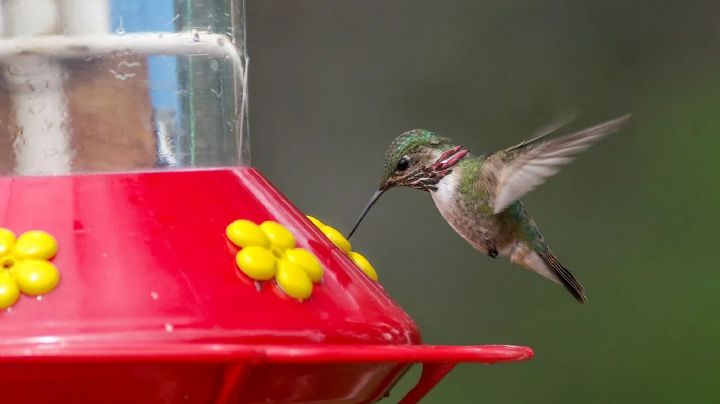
635	218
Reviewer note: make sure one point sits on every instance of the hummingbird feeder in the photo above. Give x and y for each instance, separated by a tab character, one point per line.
142	258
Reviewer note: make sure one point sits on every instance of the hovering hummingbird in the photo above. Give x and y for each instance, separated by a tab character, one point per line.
479	195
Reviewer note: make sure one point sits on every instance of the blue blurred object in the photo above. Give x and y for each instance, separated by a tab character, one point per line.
152	16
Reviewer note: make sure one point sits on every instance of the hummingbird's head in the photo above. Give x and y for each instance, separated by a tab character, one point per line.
417	159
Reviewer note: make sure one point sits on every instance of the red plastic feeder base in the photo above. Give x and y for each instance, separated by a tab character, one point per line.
226	373
151	307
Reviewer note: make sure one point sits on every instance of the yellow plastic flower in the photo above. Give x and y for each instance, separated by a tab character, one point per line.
344	244
268	252
25	265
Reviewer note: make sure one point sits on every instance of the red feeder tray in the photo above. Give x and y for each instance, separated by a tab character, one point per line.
151	307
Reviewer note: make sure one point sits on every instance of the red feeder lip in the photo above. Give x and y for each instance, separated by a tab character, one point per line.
437	360
169	352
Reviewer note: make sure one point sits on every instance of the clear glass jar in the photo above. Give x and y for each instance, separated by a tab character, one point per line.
121	85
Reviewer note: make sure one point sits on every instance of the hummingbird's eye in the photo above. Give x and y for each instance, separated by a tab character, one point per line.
403	164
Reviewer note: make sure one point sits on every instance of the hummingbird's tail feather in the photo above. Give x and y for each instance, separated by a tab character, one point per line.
545	264
564	276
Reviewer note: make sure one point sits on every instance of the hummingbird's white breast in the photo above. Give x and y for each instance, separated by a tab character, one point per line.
447	201
446	194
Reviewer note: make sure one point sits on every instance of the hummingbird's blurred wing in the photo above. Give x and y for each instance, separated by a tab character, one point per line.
545	132
522	168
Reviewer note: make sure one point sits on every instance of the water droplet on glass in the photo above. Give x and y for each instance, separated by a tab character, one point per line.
50	152
37	84
120	30
14	70
37	108
214	65
154	295
128	64
121	76
39	298
169	327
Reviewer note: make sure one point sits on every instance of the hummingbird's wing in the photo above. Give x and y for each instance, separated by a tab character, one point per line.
544	132
522	168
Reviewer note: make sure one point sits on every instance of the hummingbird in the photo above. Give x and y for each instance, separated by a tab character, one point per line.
479	195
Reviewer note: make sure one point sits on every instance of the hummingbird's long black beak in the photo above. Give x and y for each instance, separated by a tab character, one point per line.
365	211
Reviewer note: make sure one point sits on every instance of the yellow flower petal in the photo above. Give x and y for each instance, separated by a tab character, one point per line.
307	261
337	238
279	236
9	291
257	263
365	265
293	280
36	277
315	221
35	244
7	241
244	233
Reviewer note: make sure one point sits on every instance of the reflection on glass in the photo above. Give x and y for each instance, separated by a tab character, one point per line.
98	85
